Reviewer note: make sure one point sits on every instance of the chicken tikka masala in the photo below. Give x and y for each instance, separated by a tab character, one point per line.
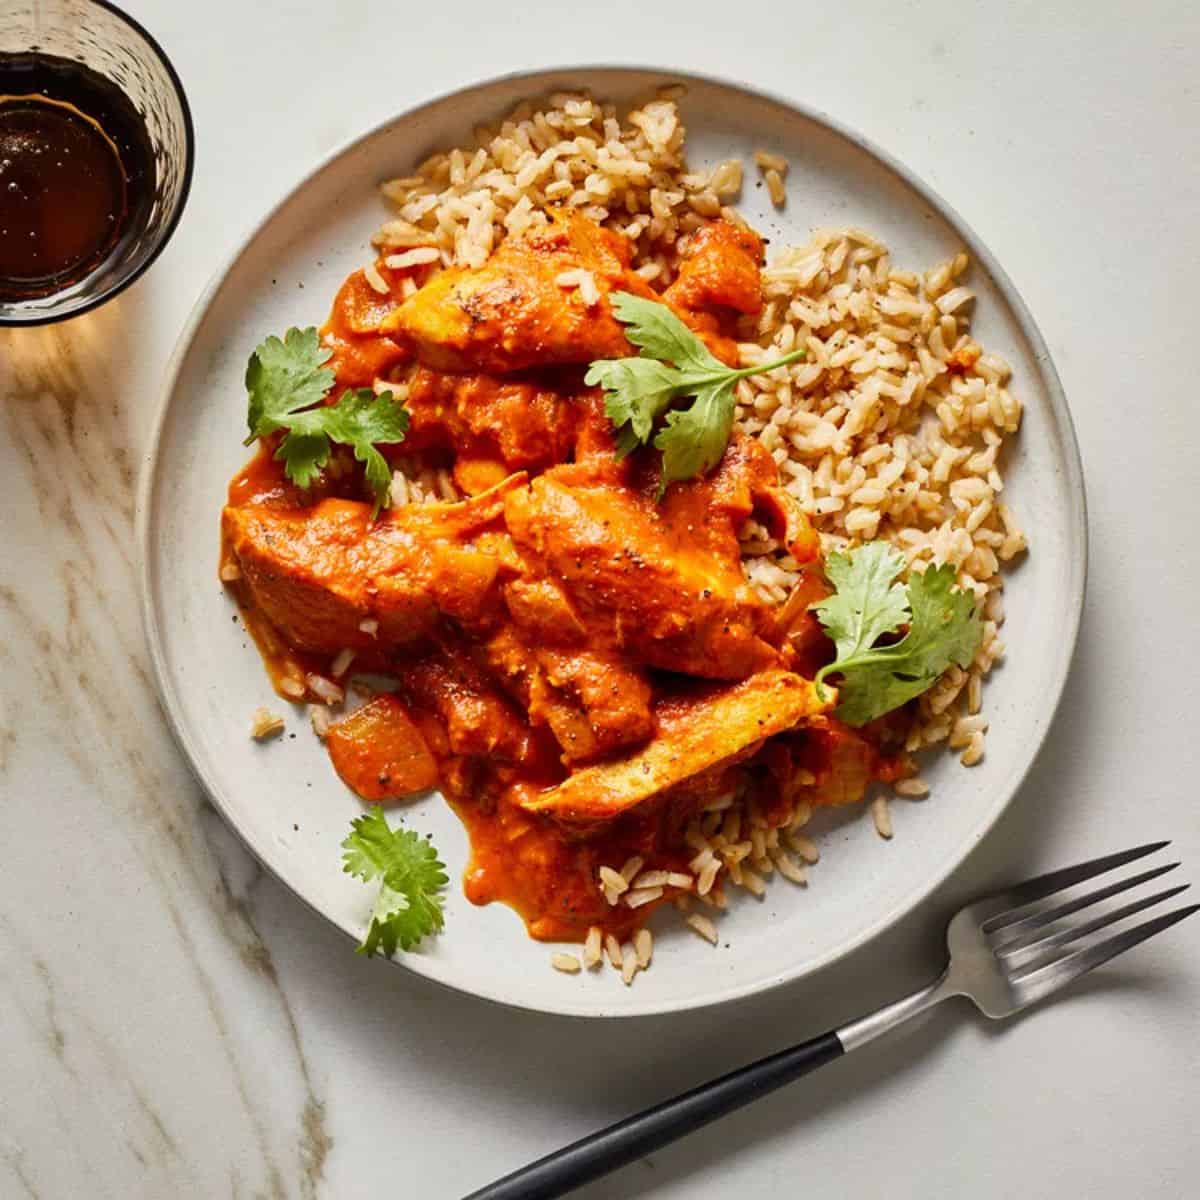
578	663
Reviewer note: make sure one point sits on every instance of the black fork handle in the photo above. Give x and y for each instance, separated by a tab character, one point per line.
639	1135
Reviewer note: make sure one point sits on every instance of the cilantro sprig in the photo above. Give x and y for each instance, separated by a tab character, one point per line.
287	382
672	363
408	907
868	603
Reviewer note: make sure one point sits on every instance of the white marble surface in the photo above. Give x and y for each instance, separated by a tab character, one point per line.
174	1024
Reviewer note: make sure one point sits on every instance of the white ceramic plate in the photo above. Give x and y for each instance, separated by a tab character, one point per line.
284	799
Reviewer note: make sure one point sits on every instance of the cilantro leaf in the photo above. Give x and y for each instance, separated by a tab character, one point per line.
945	627
361	419
408	907
672	363
283	377
627	441
869	603
287	385
304	454
658	333
637	392
693	439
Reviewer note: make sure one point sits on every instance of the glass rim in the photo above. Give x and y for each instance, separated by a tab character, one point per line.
9	319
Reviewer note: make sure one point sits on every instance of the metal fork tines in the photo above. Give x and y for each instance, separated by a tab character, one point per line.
1034	946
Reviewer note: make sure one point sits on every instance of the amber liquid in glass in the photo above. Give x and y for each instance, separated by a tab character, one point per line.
76	174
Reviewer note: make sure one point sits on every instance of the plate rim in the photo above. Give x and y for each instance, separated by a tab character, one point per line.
1075	488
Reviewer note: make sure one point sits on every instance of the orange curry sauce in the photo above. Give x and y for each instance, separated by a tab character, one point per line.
449	701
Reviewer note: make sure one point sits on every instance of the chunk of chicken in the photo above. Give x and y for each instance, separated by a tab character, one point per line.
516	311
661	583
319	574
517	423
478	719
698	732
640	588
719	268
361	352
593	702
841	761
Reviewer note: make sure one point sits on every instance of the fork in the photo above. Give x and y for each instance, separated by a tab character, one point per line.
1007	951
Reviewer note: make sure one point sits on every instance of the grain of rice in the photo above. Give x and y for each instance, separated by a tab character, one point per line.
265	724
765	160
775	187
802	813
965	729
726	179
954	299
881	814
613	949
913	788
613	882
372	276
752	881
292	687
648	879
318	716
416	257
636	897
397	232
643	946
707	877
632	867
731	825
789	868
446	487
324	689
583	281
567	963
629	965
758	844
974	751
341	663
230	572
592	947
679	879
703	926
804	846
370	627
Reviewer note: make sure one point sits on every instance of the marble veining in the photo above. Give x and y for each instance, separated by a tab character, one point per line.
72	634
